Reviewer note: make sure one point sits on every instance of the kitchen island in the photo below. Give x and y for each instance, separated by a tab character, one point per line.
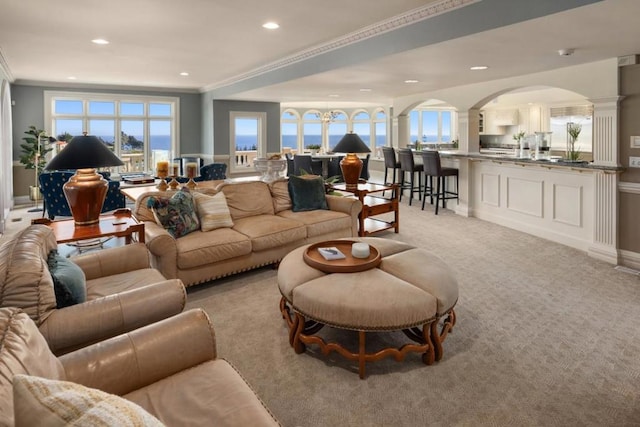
569	203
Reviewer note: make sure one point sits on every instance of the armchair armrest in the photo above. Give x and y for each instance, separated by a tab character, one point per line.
134	360
163	249
76	326
349	205
108	262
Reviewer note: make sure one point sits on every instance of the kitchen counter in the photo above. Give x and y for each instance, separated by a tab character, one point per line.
507	158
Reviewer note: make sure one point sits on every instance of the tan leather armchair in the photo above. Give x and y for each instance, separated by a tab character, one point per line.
123	291
169	368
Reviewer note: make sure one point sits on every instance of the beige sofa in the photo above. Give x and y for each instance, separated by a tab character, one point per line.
123	292
265	230
169	368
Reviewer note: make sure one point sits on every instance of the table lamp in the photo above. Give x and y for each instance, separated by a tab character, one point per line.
86	190
351	165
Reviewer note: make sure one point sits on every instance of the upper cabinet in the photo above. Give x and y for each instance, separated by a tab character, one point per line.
494	122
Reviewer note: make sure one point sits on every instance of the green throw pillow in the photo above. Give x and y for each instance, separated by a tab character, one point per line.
69	282
307	193
176	214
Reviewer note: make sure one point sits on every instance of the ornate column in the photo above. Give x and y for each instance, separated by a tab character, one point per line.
605	186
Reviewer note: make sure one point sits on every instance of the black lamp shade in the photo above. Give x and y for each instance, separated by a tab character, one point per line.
85	191
351	143
84	152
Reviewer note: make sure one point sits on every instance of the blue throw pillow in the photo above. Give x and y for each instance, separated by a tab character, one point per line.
307	193
69	282
176	214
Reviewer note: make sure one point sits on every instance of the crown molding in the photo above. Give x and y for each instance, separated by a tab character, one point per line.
97	86
408	18
4	66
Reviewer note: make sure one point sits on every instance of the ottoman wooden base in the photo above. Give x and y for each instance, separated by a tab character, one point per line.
301	334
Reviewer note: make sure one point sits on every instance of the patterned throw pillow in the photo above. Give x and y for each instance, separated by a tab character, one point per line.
213	211
44	402
307	193
176	214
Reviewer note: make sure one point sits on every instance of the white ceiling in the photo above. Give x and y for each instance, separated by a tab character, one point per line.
220	43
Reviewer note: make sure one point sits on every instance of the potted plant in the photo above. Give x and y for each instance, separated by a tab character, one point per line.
573	132
314	148
34	150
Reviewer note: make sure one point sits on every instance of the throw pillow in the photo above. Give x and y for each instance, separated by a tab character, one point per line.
307	193
280	194
45	402
213	211
176	214
69	282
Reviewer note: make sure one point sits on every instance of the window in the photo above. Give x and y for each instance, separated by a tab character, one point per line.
380	132
311	129
431	126
141	130
248	132
289	132
336	129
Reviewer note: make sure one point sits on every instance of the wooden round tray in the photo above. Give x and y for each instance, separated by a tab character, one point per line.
346	265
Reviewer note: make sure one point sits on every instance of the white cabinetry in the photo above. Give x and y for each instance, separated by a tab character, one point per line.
494	122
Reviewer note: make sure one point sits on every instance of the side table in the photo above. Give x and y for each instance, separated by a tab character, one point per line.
120	223
374	205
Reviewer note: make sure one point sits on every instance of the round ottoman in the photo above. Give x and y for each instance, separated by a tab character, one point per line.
411	290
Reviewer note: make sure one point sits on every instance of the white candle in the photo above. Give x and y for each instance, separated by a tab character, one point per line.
360	250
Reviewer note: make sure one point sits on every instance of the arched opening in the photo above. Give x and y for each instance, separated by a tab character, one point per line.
511	119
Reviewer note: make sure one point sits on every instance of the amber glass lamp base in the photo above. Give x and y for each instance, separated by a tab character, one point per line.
85	192
351	167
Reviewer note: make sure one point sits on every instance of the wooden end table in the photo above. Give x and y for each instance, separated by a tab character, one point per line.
120	223
373	205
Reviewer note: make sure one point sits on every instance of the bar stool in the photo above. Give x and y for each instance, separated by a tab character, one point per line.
407	165
432	167
390	162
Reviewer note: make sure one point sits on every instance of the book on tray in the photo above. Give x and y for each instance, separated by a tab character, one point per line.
331	253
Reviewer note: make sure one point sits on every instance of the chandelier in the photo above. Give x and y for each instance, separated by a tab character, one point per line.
327	116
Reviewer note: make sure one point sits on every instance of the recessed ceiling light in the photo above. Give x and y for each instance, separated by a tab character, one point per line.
411	81
365	89
100	41
271	26
333	95
478	67
184	73
71	77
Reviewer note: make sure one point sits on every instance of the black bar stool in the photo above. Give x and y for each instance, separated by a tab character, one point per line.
407	165
390	162
432	167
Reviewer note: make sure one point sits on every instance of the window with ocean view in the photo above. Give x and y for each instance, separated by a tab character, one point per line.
247	131
431	126
301	129
140	130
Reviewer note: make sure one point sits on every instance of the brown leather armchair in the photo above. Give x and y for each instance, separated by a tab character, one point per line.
123	291
169	368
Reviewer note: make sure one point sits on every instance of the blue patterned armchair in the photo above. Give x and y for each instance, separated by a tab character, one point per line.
212	172
55	203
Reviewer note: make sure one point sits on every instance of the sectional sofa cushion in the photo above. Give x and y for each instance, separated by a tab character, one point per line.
203	248
319	222
247	199
280	194
270	231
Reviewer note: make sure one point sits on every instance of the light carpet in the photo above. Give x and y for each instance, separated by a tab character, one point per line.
546	336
